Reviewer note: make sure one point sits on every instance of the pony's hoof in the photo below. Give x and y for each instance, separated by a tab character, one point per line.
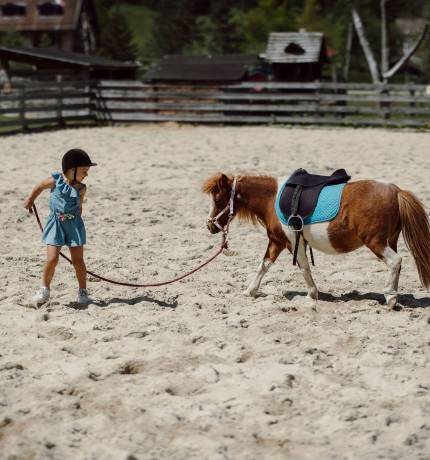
313	294
391	301
312	303
251	293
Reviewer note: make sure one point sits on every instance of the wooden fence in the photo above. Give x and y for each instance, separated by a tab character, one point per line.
269	102
59	104
42	105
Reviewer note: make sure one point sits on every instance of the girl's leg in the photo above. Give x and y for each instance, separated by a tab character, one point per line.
52	255
77	255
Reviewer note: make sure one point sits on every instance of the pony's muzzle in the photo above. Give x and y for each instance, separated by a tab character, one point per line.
212	227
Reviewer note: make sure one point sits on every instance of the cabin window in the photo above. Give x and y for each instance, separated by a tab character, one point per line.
294	48
52	8
11	9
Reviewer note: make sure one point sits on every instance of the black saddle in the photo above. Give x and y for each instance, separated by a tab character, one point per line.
300	197
305	188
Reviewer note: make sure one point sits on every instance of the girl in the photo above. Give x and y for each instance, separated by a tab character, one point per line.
65	225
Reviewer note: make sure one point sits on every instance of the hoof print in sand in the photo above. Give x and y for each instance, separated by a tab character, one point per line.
137	334
187	388
244	357
5	422
130	367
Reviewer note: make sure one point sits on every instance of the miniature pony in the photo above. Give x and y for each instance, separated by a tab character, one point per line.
371	213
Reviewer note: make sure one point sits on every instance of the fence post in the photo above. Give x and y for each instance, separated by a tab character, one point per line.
413	105
318	102
22	105
92	101
384	106
102	113
60	101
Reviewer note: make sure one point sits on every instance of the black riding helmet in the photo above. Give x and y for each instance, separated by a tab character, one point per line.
73	159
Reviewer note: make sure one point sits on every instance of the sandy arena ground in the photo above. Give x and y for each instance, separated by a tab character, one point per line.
196	370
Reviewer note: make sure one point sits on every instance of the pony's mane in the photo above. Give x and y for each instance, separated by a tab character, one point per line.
267	184
249	216
210	184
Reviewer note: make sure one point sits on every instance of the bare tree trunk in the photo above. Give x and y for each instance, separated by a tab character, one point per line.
373	66
396	67
386	73
384	41
348	52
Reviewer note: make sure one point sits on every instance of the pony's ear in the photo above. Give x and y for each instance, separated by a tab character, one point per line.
219	181
223	182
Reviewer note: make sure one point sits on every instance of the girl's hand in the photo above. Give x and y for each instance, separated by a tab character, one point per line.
45	184
28	204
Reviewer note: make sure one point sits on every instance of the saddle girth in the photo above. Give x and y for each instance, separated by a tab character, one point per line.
297	224
300	197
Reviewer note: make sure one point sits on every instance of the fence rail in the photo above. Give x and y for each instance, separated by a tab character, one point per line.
269	102
24	107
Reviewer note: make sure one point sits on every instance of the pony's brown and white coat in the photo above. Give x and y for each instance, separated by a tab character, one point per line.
371	213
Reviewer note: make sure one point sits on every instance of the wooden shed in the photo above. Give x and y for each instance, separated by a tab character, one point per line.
296	56
70	25
41	63
205	69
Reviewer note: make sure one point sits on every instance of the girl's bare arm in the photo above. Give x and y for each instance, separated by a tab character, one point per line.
82	196
45	184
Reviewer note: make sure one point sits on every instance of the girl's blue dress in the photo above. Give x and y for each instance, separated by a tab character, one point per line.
65	225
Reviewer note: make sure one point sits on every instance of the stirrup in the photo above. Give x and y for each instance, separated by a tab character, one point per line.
291	227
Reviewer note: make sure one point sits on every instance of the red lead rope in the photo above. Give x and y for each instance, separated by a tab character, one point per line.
121	283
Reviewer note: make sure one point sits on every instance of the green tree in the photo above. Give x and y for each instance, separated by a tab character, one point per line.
143	24
311	18
46	40
254	25
11	38
205	37
225	26
103	8
116	39
195	26
176	24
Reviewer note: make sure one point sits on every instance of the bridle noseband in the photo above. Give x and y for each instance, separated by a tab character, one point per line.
229	207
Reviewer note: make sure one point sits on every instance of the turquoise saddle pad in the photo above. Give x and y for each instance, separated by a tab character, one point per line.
326	209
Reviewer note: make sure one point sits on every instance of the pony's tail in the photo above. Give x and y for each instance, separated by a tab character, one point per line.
416	233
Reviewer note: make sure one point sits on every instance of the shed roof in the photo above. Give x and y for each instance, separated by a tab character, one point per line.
228	67
33	21
294	47
56	56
